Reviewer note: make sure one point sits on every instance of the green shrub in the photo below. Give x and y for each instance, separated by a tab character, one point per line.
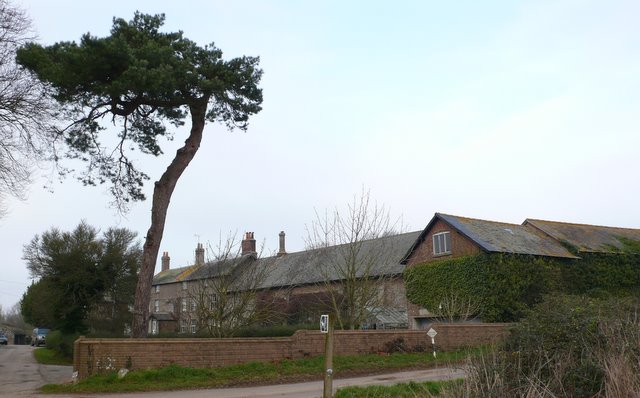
252	331
602	274
61	343
273	331
568	346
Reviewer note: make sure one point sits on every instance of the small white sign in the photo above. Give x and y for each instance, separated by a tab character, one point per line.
324	323
432	333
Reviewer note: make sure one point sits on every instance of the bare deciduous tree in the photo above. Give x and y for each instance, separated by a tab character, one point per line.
229	293
25	110
354	258
456	307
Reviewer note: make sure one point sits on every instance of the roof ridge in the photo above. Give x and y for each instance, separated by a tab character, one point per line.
576	224
478	219
349	243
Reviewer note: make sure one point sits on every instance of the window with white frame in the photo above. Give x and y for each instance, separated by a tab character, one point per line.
154	326
184	305
442	243
183	326
213	300
184	285
193	326
156	306
193	305
156	288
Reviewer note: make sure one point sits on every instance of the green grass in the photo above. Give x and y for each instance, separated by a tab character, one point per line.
179	378
46	356
412	389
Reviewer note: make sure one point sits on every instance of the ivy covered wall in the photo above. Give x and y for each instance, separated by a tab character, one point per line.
501	287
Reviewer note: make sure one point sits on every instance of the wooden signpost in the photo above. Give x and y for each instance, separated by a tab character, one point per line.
325	327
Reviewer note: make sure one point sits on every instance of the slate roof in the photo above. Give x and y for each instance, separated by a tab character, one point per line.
307	267
586	238
173	275
499	237
502	237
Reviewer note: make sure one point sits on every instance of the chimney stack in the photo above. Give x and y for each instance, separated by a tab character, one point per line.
165	261
199	254
249	244
281	251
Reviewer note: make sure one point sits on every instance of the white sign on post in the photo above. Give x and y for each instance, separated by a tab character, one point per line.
324	323
432	333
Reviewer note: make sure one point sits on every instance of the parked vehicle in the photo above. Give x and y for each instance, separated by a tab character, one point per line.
3	339
39	336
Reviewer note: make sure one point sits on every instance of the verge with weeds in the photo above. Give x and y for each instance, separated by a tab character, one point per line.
47	356
425	389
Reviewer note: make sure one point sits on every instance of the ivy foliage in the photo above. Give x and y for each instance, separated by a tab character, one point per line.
505	286
502	285
602	274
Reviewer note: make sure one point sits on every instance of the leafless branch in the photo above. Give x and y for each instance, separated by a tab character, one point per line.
27	134
353	257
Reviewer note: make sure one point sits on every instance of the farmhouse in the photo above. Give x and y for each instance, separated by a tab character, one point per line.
298	286
244	288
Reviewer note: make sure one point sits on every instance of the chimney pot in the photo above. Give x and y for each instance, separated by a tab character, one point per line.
281	251
248	245
165	261
199	254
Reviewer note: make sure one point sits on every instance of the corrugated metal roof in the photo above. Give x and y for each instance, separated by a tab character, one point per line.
311	266
502	237
586	238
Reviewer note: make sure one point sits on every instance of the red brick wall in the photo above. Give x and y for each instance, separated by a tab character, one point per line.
100	355
460	246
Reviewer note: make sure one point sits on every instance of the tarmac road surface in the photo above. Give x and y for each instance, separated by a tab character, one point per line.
21	375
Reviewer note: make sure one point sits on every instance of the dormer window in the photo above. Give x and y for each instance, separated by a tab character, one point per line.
441	243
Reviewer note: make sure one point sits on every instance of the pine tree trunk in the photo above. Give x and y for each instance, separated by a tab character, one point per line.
161	197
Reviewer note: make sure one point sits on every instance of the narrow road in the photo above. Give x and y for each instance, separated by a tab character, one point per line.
21	376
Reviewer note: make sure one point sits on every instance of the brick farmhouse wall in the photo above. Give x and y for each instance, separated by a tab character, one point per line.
103	355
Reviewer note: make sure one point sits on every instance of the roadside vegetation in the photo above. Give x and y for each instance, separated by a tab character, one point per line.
47	356
403	390
179	378
567	346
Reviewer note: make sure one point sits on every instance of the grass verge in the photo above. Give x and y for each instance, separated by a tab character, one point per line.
427	389
174	377
46	356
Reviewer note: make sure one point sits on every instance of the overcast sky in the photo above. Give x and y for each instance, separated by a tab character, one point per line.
500	110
